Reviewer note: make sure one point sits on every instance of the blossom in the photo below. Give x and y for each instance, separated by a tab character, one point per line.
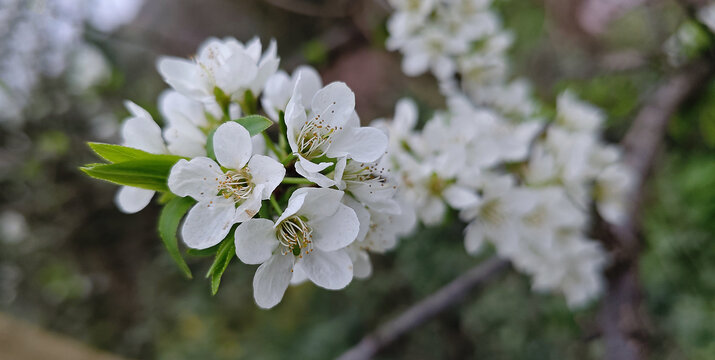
576	115
309	237
139	131
329	130
227	65
224	197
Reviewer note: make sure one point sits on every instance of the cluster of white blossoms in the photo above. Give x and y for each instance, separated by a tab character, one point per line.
45	38
461	39
307	204
522	183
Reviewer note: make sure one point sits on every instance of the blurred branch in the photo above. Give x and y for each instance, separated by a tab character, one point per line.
623	324
426	309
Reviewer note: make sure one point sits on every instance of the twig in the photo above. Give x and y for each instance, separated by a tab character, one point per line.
426	309
623	324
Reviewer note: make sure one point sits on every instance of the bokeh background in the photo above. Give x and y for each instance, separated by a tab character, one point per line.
71	263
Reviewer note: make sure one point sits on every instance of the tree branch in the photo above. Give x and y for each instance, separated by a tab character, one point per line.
622	322
426	309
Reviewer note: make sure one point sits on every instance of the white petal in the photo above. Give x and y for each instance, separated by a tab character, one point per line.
295	118
207	223
271	280
432	213
316	177
363	144
331	270
299	275
255	241
473	238
294	204
232	145
415	64
312	167
141	132
130	199
197	178
182	75
250	207
362	267
266	171
319	202
334	103
336	231
460	197
307	83
363	216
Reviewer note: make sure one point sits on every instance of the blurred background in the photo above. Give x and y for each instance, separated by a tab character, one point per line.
71	263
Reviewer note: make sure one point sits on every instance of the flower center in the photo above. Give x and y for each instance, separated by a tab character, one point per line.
491	211
295	235
236	185
316	136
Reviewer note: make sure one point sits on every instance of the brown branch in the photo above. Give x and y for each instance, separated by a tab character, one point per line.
622	322
426	309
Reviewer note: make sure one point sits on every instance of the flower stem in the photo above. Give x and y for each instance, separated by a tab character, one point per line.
275	205
286	160
296	180
272	146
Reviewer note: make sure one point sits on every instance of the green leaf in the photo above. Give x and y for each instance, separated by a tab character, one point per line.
255	124
210	145
148	173
117	153
169	220
226	251
203	252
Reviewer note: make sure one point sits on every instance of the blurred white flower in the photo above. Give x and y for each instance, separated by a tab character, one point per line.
13	227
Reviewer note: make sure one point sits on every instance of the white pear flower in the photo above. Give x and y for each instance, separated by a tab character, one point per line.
496	215
186	123
330	130
309	237
224	197
279	88
706	15
576	115
611	191
225	64
139	131
369	183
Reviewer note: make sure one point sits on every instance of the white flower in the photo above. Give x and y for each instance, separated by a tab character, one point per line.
279	88
186	124
13	227
496	216
370	183
224	197
611	191
330	130
706	15
140	132
225	64
576	115
309	237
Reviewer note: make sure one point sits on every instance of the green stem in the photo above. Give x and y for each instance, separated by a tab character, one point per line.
275	205
295	180
272	146
286	160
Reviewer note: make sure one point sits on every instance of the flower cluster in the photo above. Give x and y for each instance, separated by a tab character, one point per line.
522	183
46	38
459	37
307	204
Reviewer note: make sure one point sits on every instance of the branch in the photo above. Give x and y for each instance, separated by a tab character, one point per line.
623	324
426	309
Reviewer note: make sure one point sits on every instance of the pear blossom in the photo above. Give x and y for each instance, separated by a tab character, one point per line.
329	130
310	237
227	65
224	197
